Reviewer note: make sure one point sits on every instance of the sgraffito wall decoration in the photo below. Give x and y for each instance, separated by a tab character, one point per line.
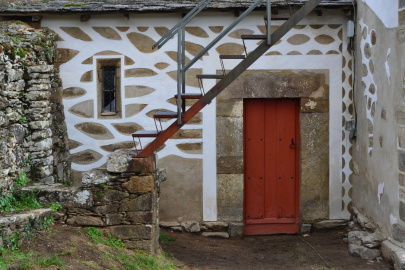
148	84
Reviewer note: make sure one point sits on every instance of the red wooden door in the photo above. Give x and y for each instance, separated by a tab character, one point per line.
271	166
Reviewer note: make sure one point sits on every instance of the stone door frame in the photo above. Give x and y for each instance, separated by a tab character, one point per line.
212	184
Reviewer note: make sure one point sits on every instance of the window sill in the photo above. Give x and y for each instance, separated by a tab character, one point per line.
108	113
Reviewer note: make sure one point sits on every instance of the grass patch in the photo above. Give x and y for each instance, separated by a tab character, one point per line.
98	237
165	239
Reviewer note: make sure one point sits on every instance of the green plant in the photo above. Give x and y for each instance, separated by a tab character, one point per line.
48	222
97	236
55	207
100	195
49	261
22	179
94	234
165	239
22	120
28	201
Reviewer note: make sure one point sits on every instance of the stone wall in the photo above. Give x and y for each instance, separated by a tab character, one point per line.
123	200
32	128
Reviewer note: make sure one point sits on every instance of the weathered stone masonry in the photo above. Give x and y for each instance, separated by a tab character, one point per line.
32	128
122	200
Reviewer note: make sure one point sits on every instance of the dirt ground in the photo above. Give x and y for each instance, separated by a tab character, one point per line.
70	248
267	252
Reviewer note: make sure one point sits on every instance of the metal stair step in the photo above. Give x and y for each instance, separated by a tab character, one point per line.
210	76
165	115
255	37
145	133
189	96
230	56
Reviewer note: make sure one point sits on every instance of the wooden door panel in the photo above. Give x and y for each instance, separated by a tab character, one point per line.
286	159
254	142
271	154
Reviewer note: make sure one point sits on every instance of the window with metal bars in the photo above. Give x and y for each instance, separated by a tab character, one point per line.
109	88
109	84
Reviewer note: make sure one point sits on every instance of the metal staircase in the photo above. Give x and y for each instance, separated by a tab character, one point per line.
205	98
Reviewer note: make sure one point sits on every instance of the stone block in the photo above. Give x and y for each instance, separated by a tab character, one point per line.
94	177
216	234
398	233
85	221
169	224
372	240
113	219
39	124
230	134
235	230
306	228
191	226
161	175
217	226
230	165
363	252
126	232
401	4
140	184
330	224
143	165
230	197
114	195
148	246
229	108
105	209
141	203
41	69
393	254
140	217
119	161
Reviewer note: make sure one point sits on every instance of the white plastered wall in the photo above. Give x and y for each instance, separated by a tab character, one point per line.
165	86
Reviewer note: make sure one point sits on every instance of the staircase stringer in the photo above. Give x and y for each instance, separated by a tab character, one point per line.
228	79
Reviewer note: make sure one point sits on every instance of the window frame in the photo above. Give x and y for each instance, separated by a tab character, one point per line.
100	64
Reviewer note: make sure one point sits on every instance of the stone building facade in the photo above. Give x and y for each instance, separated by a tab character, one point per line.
204	160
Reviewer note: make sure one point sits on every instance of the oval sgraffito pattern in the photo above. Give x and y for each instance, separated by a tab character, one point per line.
133	91
139	72
324	39
133	109
95	131
107	32
298	39
196	31
83	109
73	92
142	42
127	128
76	33
173	56
86	157
230	48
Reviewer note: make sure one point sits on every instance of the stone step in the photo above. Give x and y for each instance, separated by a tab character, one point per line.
66	196
216	234
22	226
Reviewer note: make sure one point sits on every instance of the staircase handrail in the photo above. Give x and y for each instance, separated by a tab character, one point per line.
197	9
226	31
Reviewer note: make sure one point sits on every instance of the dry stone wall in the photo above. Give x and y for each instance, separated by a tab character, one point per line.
32	128
123	200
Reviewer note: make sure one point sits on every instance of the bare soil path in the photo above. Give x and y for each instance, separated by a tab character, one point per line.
267	252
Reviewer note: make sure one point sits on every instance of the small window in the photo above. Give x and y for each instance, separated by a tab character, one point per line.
109	88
